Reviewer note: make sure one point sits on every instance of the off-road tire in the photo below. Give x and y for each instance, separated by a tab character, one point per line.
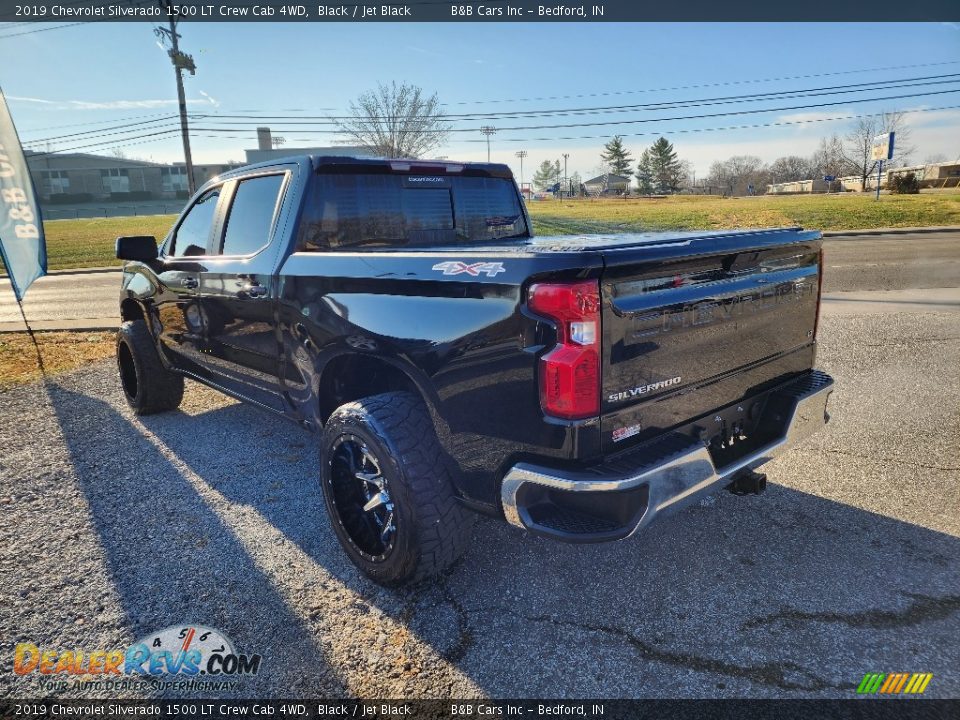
432	528
147	385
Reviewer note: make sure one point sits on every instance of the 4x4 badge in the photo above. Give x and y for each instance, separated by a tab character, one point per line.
455	267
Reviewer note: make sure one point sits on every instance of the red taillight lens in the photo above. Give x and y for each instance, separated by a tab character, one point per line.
570	372
816	322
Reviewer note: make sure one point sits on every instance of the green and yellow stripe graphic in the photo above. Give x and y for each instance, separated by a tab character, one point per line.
894	683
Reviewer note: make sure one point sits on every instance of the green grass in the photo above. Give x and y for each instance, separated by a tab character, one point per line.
686	212
89	242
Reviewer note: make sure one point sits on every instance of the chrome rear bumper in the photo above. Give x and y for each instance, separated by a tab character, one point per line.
650	489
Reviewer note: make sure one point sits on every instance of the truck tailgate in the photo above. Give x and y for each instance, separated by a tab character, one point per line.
694	323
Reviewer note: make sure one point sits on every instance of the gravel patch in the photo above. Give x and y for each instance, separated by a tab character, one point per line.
114	527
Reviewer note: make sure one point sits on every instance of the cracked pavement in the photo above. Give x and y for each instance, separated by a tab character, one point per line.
114	527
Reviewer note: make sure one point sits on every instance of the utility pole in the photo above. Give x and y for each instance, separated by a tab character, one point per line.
521	154
566	178
181	61
488	130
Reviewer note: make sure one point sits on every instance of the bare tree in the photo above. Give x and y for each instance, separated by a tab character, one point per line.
830	158
686	175
789	168
735	175
396	121
860	142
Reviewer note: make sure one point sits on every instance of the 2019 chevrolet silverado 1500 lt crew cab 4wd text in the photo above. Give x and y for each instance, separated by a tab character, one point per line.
451	362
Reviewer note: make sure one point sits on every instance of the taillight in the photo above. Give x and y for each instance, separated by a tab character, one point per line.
820	266
570	372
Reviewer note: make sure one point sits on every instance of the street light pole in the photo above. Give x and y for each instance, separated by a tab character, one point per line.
488	130
521	154
566	178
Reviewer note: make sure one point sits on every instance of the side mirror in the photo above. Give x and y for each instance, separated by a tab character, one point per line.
137	247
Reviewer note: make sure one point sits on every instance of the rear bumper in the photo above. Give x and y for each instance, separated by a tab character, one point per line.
616	499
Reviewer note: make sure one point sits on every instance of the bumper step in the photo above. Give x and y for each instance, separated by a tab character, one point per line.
625	493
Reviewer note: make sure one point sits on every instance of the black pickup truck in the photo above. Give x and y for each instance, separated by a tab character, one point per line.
449	361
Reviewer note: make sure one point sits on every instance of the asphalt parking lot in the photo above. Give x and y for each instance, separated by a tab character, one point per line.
115	526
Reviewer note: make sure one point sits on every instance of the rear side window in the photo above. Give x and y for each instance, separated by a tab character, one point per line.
251	215
359	210
194	231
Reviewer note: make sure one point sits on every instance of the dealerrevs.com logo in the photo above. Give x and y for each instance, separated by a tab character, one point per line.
184	651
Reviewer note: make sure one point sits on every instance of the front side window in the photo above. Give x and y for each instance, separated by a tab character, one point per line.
194	232
251	215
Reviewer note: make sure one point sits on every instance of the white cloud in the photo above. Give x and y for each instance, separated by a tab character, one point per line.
213	101
112	104
30	99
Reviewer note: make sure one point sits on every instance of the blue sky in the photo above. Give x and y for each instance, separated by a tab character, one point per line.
93	76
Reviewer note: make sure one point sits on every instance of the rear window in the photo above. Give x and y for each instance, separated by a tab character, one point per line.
368	211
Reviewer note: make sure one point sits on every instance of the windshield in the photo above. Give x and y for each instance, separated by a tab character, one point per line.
368	210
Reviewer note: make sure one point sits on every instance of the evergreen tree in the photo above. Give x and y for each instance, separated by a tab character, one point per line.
666	169
616	158
645	174
547	175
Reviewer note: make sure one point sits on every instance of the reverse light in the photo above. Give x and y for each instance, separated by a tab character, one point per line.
570	372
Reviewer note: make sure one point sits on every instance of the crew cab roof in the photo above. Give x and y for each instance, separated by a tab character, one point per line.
338	163
349	163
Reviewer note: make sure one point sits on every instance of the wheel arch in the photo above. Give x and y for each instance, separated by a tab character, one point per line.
350	376
131	309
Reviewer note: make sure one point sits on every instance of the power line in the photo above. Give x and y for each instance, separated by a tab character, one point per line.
123	142
725	83
94	122
310	133
154	137
730	99
104	131
123	135
225	118
749	126
634	121
131	127
42	29
784	123
808	92
730	112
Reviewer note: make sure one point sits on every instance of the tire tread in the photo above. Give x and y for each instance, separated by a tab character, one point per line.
158	388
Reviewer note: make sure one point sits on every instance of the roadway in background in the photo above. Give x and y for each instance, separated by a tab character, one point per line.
855	264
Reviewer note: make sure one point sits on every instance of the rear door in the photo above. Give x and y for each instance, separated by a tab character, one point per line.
694	324
238	288
177	302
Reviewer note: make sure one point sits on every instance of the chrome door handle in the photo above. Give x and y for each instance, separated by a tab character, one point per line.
190	283
253	290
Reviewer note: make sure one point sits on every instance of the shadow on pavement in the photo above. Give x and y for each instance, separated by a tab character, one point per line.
788	594
172	559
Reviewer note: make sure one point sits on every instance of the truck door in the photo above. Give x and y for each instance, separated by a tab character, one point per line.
177	301
237	289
